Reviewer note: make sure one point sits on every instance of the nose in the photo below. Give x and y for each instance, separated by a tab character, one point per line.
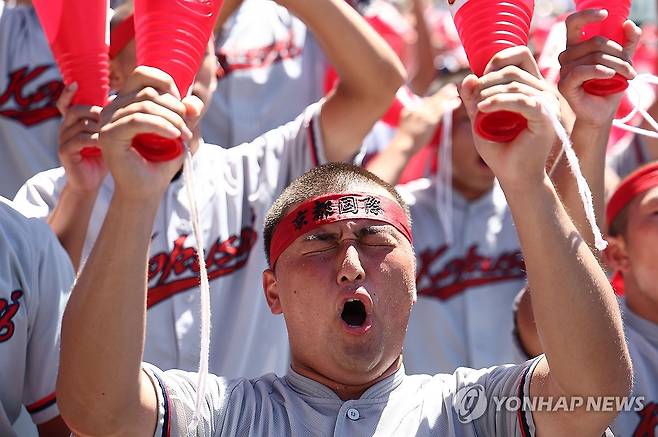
350	269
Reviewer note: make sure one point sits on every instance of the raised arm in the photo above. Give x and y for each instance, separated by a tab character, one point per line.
101	388
425	72
417	126
592	59
596	58
370	73
576	313
70	217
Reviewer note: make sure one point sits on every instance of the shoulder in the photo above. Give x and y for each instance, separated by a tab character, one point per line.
47	181
15	226
29	245
305	123
416	192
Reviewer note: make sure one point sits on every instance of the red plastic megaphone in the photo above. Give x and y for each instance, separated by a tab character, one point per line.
171	35
611	28
486	27
77	34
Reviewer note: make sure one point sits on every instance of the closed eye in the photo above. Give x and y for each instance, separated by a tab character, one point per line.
377	236
320	242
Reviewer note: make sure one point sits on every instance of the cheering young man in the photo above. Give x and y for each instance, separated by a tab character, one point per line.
342	274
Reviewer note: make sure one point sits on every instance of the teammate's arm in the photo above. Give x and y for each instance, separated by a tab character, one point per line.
101	388
370	73
70	217
593	358
582	61
417	126
425	71
597	58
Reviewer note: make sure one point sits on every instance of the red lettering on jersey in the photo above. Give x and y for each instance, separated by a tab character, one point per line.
648	422
31	108
223	258
458	274
278	51
7	313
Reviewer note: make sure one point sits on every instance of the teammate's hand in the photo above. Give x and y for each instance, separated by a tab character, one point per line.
419	122
148	103
512	82
79	129
596	58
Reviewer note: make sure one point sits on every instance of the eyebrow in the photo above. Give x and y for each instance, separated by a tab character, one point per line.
376	229
367	230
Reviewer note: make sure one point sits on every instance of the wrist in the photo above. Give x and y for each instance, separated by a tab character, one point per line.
405	144
526	189
131	198
588	125
78	194
135	204
592	134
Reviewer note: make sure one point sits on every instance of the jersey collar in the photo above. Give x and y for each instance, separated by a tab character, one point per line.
308	387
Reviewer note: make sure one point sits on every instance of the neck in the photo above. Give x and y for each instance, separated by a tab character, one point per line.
345	392
469	193
641	303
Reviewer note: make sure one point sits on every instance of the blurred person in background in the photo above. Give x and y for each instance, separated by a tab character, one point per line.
30	85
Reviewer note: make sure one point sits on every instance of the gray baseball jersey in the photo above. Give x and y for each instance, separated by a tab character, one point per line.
235	187
463	316
642	337
627	158
35	280
30	85
270	69
457	405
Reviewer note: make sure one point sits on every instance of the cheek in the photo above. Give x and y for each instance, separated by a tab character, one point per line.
643	245
304	292
394	285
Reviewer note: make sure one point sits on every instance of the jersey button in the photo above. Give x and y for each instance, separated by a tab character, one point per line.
353	414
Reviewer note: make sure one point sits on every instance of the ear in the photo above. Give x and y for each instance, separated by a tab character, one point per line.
616	255
271	292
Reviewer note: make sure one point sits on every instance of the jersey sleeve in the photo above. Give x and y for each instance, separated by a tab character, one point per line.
176	395
52	280
488	399
39	195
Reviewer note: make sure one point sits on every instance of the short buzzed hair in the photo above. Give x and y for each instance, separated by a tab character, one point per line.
325	179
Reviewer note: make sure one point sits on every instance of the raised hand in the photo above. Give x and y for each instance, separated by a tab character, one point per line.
79	129
596	58
512	82
419	122
148	103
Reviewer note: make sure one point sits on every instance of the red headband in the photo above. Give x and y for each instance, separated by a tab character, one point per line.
643	179
121	35
638	182
330	208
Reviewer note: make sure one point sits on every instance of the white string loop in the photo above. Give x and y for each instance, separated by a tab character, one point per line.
188	178
572	159
444	176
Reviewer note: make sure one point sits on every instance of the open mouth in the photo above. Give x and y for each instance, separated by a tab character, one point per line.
354	313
